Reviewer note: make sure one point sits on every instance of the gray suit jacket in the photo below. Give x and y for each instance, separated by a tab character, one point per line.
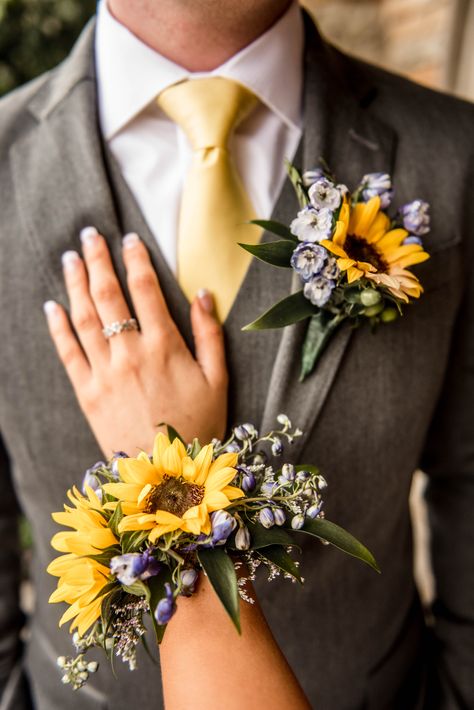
377	407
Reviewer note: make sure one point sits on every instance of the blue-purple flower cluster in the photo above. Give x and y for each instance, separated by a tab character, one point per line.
316	267
376	185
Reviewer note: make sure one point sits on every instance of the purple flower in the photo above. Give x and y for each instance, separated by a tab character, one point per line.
266	518
90	479
116	456
279	515
323	193
277	446
165	607
242	538
411	239
297	521
245	431
318	290
132	566
267	488
189	578
331	270
308	259
377	185
248	482
416	218
314	510
310	176
223	524
312	225
287	474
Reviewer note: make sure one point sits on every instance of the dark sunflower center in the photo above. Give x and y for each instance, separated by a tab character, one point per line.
358	249
175	495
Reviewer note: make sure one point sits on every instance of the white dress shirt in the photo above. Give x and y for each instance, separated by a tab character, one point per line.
153	153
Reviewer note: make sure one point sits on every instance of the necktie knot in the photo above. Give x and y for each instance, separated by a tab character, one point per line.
208	110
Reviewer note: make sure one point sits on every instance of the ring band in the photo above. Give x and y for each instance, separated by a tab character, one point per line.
119	326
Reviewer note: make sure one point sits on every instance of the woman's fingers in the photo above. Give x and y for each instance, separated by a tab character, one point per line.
103	283
67	346
148	300
83	313
209	340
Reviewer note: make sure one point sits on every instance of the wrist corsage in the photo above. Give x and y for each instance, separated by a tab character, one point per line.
351	257
144	528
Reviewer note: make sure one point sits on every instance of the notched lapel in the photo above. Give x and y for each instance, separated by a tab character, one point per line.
58	169
339	128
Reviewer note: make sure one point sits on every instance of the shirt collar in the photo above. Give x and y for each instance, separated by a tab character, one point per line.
130	75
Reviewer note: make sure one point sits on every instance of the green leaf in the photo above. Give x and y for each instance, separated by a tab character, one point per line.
115	519
104	557
276	253
321	328
173	434
295	177
280	557
337	536
132	541
221	573
105	609
196	448
281	230
286	312
261	537
138	589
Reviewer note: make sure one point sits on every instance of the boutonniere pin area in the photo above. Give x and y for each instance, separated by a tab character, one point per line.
351	257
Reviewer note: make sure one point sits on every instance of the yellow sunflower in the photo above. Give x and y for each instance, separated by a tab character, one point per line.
173	491
81	579
367	247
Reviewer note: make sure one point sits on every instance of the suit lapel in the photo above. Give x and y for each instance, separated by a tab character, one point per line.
58	168
340	129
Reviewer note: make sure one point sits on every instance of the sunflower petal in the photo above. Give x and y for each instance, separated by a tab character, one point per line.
203	462
219	479
363	215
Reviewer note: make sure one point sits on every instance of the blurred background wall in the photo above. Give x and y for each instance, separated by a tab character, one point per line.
430	40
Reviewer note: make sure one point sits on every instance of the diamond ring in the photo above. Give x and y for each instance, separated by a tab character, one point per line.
119	326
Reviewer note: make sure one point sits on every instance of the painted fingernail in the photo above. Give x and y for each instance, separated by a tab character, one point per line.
50	307
88	235
206	300
130	240
70	259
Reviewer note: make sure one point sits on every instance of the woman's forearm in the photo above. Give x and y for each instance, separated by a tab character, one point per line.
207	665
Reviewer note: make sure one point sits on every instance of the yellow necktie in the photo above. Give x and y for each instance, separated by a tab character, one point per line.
214	204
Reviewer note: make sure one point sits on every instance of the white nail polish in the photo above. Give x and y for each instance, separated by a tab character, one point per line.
130	240
88	235
206	300
50	307
70	259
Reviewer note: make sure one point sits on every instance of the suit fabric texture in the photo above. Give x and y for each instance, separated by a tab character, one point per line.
377	407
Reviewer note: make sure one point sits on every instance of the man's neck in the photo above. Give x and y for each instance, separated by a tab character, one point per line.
199	35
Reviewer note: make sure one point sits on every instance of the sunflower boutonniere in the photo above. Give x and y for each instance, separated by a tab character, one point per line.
351	257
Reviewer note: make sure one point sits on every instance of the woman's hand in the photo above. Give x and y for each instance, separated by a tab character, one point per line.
129	384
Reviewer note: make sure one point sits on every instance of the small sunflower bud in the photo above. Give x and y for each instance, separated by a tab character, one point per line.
389	315
370	297
373	310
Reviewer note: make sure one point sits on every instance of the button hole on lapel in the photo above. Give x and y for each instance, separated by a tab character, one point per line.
371	145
